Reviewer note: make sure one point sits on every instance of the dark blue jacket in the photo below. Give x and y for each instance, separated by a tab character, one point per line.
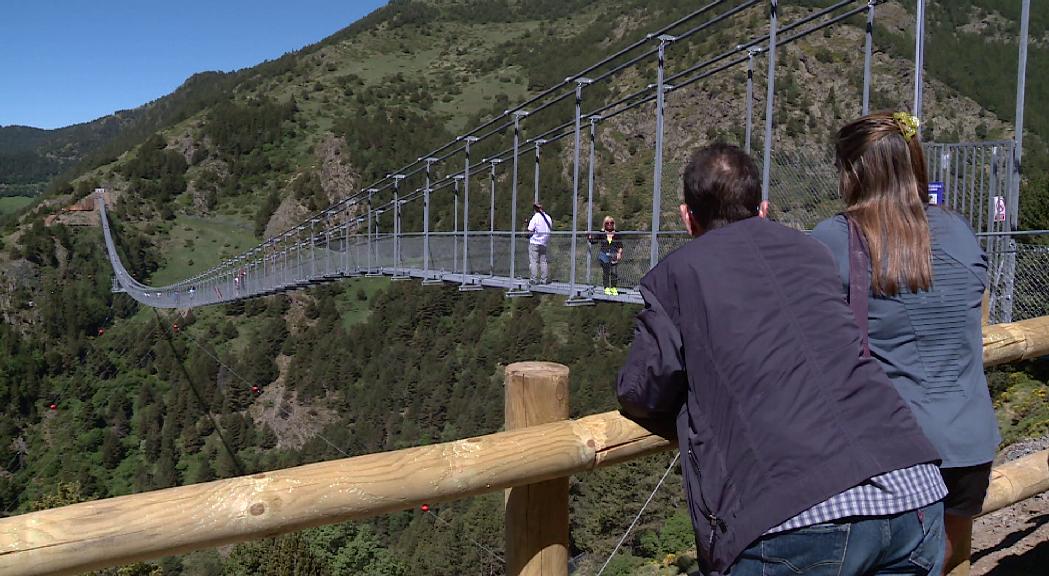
747	341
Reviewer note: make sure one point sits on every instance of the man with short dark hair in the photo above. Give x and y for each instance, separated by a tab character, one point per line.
798	455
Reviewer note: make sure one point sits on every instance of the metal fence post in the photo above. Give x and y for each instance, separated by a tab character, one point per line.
357	245
396	222
919	56
538	152
265	270
590	186
287	272
465	285
289	264
1021	85
379	260
515	287
427	280
298	254
994	243
329	267
770	96
1016	173
346	241
455	225
491	221
372	238
280	262
575	298
750	100
313	249
868	57
657	176
398	267
274	267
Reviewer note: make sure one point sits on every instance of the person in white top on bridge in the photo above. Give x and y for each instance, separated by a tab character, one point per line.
539	227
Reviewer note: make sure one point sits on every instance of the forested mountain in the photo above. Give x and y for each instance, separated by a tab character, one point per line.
31	158
101	397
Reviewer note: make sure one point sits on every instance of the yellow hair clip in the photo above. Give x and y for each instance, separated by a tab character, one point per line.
907	123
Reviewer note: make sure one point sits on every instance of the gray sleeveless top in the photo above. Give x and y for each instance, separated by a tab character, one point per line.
930	343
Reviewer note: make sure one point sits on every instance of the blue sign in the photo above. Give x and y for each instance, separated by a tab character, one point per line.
936	197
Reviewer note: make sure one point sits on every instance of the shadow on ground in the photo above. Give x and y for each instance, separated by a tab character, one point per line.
1033	562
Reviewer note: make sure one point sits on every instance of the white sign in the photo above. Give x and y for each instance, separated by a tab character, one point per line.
999	209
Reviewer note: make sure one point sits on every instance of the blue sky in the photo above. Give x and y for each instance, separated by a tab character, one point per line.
64	62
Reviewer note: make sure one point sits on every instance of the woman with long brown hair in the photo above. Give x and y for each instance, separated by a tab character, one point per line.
915	275
609	254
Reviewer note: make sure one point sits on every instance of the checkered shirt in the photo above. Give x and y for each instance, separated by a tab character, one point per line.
883	495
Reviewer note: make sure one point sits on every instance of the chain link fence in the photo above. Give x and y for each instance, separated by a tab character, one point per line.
1030	289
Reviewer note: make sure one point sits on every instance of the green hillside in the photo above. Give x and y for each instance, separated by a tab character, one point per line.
229	159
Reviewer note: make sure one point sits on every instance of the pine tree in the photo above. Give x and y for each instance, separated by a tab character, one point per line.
225	466
165	474
200	471
191	440
112	450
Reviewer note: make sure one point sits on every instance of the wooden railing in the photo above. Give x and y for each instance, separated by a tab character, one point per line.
533	459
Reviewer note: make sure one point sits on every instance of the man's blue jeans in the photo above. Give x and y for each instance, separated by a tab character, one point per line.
907	543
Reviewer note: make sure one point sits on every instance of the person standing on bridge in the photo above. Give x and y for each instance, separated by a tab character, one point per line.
539	227
921	274
610	252
798	456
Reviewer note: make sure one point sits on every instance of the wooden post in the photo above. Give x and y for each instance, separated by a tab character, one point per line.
536	514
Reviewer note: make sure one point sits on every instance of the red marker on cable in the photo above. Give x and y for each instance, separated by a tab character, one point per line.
425	507
53	406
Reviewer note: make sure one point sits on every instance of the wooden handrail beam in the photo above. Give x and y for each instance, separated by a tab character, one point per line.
1017	481
1016	341
126	529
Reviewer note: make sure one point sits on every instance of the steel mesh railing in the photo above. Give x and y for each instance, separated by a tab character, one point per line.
1030	297
803	188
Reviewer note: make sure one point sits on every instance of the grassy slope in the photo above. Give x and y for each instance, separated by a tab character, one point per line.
10	204
193	244
352	307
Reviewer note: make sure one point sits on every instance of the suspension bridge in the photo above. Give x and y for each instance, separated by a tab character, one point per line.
389	228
